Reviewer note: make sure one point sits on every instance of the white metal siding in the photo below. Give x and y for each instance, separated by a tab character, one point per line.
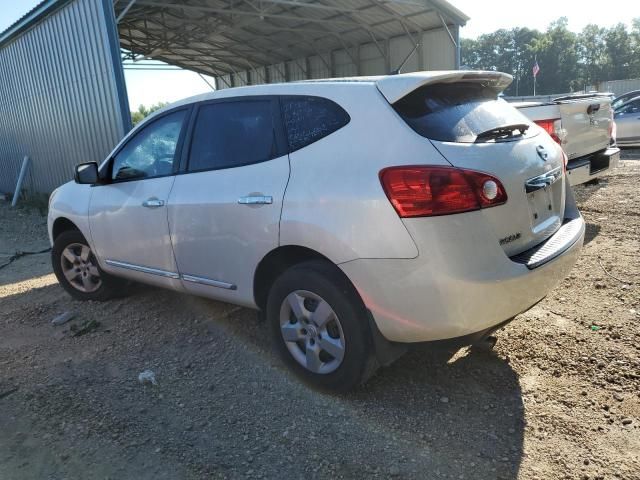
276	73
399	48
60	102
436	52
618	87
344	65
372	62
296	69
319	66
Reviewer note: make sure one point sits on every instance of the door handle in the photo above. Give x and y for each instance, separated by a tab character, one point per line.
153	203
256	200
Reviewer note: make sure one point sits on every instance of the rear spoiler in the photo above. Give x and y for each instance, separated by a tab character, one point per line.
395	87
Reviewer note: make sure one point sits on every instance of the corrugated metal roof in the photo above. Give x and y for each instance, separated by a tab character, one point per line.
42	9
219	37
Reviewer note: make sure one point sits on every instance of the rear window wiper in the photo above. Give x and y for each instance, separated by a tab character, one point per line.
504	132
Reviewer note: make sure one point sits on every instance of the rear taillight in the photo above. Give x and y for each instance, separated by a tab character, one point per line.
553	127
423	191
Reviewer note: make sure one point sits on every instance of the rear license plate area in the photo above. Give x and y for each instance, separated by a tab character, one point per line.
544	219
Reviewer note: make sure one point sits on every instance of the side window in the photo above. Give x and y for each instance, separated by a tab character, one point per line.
631	107
151	152
308	119
231	134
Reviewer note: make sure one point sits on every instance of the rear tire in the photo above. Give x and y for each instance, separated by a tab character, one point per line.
325	322
77	269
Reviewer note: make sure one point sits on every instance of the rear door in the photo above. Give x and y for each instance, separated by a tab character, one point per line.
473	129
224	211
587	122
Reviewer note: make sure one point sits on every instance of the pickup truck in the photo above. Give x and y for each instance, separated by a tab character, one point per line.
583	126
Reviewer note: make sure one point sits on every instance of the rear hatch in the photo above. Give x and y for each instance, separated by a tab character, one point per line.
587	119
474	129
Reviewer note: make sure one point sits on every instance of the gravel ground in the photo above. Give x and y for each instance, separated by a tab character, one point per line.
558	398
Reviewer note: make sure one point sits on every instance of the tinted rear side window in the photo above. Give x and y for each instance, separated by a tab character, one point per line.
230	134
456	112
308	119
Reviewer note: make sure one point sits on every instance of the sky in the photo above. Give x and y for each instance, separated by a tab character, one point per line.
147	88
489	16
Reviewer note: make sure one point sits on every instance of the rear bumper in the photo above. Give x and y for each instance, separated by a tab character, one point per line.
460	286
584	169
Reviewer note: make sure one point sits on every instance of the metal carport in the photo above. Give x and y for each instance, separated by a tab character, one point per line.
261	41
62	91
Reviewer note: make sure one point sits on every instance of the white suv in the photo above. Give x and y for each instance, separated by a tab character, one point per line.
360	215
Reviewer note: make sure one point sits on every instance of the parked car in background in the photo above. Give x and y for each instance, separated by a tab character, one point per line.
360	215
625	97
583	125
627	117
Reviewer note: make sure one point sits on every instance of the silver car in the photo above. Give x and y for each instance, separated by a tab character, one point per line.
360	215
627	118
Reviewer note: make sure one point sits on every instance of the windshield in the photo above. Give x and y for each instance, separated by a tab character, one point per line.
458	112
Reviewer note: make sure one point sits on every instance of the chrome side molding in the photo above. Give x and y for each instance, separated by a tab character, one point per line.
208	281
163	273
140	268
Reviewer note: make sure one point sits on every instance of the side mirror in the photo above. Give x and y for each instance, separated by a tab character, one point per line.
87	173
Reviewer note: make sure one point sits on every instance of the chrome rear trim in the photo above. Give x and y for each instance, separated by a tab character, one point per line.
209	282
140	268
543	181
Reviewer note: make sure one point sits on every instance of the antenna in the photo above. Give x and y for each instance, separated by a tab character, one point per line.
398	70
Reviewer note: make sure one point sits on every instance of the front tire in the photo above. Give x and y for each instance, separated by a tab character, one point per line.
320	328
77	269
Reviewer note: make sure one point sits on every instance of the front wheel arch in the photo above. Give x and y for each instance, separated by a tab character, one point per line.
109	286
61	225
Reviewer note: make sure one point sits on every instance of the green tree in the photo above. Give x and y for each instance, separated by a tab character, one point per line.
593	54
143	112
568	61
557	53
619	53
635	48
507	51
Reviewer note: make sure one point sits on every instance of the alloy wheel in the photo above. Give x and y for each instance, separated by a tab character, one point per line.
79	268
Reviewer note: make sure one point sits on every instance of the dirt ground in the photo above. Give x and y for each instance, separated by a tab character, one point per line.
558	398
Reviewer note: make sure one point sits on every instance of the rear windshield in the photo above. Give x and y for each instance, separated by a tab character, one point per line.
457	112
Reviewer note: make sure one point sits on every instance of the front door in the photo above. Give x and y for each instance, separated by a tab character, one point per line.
128	214
224	212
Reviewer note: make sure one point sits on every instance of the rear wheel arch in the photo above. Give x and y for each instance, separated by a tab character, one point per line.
280	259
352	358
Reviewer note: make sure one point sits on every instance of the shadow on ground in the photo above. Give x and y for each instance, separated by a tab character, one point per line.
591	232
225	406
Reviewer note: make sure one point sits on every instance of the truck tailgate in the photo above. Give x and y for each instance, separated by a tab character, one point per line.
589	121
